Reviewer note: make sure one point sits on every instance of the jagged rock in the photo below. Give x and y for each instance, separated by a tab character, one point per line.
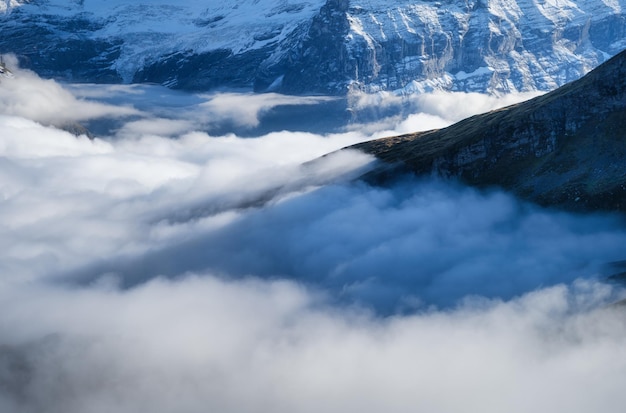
566	148
4	70
76	129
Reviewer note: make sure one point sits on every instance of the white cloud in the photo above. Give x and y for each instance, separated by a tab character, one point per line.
385	114
158	127
24	138
459	105
46	101
245	109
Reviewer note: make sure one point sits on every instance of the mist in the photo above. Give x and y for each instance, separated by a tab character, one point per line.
161	266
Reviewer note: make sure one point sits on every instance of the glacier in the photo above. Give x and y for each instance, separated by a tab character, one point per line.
315	46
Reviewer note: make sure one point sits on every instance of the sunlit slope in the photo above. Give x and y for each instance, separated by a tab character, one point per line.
566	148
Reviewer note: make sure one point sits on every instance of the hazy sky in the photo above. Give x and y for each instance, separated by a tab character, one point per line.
162	269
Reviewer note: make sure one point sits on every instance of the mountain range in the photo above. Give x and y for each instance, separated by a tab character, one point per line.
565	148
316	46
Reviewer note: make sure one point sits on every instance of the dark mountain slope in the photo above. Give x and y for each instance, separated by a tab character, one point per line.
566	148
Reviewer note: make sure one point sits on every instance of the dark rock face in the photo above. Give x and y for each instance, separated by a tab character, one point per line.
566	148
204	71
58	48
323	63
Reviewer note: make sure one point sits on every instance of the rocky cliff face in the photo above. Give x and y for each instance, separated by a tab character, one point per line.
566	148
317	46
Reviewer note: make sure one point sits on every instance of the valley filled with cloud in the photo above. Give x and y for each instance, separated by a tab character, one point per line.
168	265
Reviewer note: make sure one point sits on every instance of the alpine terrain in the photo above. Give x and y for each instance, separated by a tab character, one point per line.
316	46
565	148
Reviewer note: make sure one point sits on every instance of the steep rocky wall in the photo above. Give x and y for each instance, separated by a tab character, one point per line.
484	46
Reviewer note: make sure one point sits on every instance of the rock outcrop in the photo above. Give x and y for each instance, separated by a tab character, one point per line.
566	148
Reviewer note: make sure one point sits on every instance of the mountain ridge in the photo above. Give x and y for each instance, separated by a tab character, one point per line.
566	148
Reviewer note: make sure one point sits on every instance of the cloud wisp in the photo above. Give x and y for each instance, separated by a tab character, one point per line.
27	95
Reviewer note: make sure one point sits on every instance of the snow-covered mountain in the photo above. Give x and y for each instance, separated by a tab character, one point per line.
317	46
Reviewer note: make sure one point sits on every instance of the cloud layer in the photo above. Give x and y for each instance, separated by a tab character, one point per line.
161	268
201	344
